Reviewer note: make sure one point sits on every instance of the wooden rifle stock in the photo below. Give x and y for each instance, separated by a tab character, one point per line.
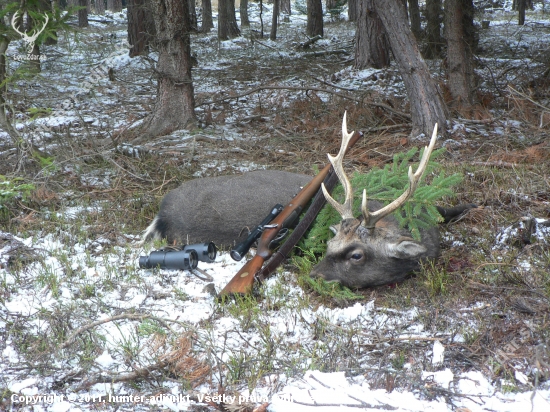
243	281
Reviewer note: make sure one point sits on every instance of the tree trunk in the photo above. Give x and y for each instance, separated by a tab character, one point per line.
245	22
227	21
352	10
4	121
314	25
521	10
141	26
82	14
285	7
427	106
460	71
274	21
100	7
114	5
414	15
193	16
433	30
207	22
371	44
175	105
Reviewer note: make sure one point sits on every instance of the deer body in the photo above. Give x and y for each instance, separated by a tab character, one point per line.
222	209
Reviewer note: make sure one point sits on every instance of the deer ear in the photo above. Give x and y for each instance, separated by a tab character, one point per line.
406	248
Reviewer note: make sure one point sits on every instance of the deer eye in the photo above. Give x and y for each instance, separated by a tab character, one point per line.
357	256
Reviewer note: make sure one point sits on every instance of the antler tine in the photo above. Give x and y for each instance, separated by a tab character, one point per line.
370	219
13	18
344	209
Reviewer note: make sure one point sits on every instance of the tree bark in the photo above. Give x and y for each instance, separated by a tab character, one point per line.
275	20
371	44
141	26
243	8
414	15
82	14
352	10
314	25
207	22
433	30
460	67
427	106
175	105
227	21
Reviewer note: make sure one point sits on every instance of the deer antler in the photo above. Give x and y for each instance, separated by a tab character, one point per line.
344	209
370	219
30	39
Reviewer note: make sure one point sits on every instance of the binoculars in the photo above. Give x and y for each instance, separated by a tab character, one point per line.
182	258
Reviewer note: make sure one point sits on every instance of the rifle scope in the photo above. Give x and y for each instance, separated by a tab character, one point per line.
242	248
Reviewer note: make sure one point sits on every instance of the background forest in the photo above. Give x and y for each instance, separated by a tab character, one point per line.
106	106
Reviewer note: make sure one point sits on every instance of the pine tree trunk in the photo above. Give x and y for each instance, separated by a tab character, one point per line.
193	15
175	105
521	12
314	25
433	29
227	20
460	72
100	7
274	21
114	5
352	10
141	26
243	8
285	7
82	14
414	14
427	106
207	22
371	44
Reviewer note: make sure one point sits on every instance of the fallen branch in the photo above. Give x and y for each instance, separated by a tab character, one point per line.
312	40
326	52
139	373
306	89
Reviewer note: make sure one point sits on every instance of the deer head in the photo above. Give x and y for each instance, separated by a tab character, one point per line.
373	250
28	38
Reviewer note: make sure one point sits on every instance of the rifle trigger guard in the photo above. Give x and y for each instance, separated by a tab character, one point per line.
277	240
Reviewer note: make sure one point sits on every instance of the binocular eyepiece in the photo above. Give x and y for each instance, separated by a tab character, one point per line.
185	258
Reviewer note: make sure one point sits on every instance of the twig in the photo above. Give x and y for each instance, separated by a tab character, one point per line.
326	52
131	316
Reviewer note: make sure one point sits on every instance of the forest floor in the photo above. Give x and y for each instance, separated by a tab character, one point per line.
80	320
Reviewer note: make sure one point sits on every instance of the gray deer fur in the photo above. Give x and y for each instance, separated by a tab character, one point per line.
221	209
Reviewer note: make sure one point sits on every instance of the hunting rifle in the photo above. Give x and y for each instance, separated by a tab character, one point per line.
243	281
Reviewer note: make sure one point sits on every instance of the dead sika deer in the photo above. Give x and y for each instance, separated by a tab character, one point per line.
373	250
